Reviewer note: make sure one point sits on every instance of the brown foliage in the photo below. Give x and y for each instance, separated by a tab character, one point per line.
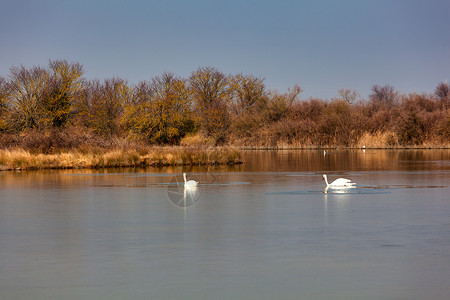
442	90
419	120
247	92
160	111
54	108
26	90
210	90
383	96
100	105
42	98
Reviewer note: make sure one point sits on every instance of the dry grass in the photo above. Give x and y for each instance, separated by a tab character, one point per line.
197	140
390	139
20	159
378	140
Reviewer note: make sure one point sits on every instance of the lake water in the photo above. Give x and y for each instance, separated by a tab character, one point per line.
265	229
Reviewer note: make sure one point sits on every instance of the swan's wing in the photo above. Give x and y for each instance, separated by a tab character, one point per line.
191	183
342	182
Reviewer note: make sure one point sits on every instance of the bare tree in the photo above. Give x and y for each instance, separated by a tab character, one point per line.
384	95
4	92
208	86
210	90
100	105
442	90
62	87
247	91
161	110
348	95
279	104
27	87
4	95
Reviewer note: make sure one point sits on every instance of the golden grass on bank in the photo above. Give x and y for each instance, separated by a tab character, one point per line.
378	140
390	140
197	140
152	156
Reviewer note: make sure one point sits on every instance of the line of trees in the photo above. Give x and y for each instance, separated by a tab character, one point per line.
236	109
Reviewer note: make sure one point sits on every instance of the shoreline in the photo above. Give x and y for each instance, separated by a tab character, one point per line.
21	159
250	148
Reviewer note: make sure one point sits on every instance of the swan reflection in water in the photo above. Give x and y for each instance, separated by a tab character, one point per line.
338	190
184	195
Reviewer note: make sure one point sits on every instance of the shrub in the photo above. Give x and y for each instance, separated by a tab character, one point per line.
197	140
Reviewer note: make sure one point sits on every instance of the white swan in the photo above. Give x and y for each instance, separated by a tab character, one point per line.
189	183
339	183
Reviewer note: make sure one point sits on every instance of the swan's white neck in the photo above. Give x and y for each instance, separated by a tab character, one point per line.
184	176
326	180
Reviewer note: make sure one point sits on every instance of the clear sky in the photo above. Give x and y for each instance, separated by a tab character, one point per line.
322	45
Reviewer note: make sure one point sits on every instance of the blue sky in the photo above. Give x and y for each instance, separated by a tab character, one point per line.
321	45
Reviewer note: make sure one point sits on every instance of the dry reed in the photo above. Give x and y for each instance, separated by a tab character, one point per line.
378	140
19	159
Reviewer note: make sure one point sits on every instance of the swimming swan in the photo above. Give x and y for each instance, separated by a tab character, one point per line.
339	183
190	183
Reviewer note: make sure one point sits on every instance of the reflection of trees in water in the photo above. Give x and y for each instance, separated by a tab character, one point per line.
340	160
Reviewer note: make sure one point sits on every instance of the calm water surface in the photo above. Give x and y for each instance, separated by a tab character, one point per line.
262	230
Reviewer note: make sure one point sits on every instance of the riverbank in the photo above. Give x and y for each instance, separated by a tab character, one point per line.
20	159
95	158
325	148
377	140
